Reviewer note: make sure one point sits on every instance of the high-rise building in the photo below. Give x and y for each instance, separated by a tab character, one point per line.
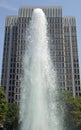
63	50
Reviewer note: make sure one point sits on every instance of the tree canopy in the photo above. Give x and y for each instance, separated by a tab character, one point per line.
72	107
12	116
3	106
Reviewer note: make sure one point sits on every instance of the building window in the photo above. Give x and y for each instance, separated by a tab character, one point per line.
80	94
76	94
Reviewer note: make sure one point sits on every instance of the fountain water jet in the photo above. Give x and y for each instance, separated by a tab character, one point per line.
38	105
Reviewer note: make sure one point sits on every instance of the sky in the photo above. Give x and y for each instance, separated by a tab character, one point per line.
69	8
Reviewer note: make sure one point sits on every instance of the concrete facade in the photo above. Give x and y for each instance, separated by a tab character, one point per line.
63	50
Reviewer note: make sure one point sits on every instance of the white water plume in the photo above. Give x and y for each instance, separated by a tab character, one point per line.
38	105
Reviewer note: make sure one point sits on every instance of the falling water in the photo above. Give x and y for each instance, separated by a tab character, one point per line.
38	104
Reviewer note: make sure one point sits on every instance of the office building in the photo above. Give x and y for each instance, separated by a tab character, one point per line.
63	50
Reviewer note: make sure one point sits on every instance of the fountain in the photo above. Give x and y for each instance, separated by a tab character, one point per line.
38	104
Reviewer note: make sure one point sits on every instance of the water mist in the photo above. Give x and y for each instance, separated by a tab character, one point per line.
38	104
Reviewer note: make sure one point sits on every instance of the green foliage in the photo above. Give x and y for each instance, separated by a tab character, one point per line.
3	105
12	117
72	111
72	115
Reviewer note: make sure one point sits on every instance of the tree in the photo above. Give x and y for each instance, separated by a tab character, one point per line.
72	107
76	113
3	106
12	117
